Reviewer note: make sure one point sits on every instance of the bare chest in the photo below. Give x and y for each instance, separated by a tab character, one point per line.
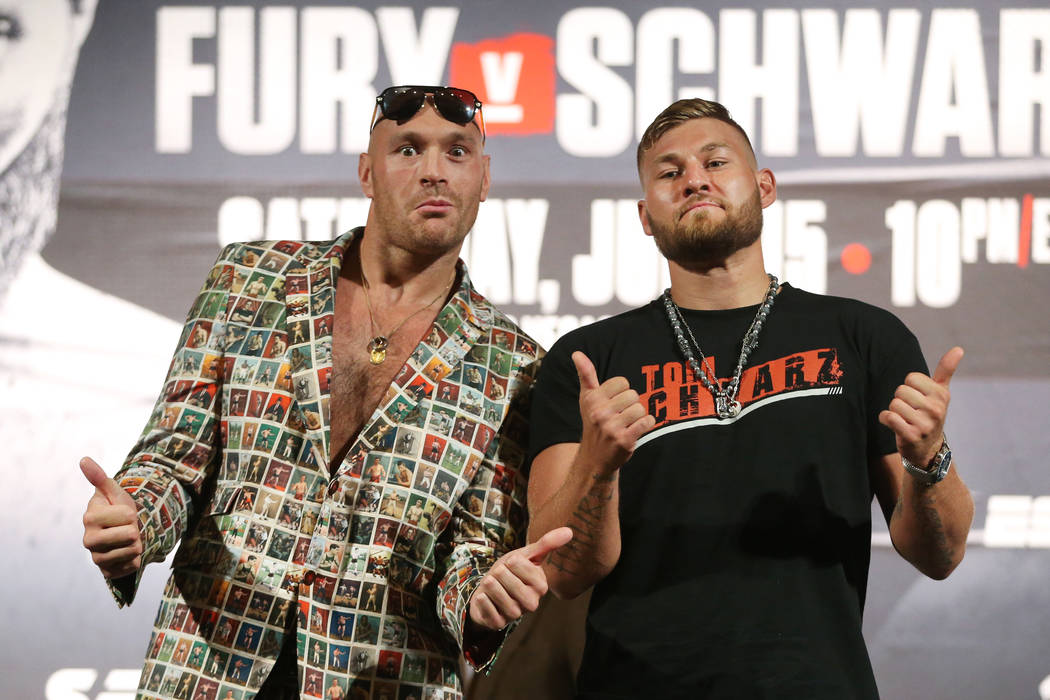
357	386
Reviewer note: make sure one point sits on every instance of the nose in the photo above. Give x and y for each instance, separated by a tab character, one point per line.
432	167
696	179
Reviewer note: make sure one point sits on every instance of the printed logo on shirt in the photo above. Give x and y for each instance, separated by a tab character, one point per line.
673	394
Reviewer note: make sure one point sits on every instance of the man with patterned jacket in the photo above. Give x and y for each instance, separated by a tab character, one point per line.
337	536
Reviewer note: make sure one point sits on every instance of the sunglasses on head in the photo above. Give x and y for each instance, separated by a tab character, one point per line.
401	103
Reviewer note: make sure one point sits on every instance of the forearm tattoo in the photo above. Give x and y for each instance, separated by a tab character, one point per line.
586	524
937	549
942	553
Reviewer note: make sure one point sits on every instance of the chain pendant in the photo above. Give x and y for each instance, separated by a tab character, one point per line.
726	405
377	350
726	408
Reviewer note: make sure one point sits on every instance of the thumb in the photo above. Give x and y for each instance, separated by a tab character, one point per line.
538	550
947	365
102	483
585	370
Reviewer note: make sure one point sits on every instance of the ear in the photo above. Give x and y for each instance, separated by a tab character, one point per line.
486	177
364	174
643	218
767	187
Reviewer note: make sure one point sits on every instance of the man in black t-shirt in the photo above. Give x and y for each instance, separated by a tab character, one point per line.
716	452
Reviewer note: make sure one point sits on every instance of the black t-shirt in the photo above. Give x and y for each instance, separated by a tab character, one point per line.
745	542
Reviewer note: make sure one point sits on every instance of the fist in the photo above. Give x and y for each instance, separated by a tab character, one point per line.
111	528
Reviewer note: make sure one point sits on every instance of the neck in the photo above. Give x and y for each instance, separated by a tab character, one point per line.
739	280
396	276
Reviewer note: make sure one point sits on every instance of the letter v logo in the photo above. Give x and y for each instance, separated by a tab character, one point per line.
501	73
514	79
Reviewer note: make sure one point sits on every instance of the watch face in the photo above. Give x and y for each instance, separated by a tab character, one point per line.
944	458
938	469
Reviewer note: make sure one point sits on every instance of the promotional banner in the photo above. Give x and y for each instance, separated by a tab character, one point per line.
911	148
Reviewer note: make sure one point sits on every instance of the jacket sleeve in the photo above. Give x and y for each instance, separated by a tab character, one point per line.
179	447
500	482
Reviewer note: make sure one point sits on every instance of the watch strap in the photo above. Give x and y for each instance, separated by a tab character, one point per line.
937	468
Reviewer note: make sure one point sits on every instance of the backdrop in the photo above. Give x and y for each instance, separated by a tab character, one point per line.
911	148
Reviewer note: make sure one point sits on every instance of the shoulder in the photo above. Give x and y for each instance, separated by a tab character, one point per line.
624	327
266	256
500	330
277	255
848	312
525	346
510	356
876	334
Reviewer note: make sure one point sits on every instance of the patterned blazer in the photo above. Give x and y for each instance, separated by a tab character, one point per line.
377	561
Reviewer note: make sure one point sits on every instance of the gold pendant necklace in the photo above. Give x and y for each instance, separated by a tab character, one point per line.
380	342
377	349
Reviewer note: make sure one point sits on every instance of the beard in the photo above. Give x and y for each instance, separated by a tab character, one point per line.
433	235
701	243
29	194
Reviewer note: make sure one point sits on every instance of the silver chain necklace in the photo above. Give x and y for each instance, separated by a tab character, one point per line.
726	404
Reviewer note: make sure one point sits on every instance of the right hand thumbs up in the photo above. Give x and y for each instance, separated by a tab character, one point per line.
613	418
111	529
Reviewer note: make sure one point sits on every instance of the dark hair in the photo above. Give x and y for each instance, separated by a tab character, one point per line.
681	112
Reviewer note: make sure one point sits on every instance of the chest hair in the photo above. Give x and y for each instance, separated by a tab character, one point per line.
357	386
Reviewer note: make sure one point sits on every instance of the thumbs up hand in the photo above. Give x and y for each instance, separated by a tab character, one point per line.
515	583
918	409
613	419
111	529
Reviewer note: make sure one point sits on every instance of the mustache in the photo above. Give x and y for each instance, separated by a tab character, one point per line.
693	201
436	193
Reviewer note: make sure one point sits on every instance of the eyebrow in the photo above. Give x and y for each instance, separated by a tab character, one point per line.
706	148
457	136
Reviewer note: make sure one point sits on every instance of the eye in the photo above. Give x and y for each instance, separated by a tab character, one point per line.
715	163
457	152
668	174
407	151
9	27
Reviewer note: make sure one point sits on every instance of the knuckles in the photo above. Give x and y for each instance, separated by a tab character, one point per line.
532	601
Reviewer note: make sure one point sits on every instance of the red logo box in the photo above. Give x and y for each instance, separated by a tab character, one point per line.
514	79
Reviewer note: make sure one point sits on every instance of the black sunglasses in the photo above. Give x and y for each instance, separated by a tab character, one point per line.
400	104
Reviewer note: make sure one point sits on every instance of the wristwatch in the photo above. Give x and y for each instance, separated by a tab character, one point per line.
936	470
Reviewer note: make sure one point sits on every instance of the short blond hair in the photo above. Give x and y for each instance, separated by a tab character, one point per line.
680	112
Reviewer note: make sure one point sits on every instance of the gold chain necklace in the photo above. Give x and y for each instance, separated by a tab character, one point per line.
379	343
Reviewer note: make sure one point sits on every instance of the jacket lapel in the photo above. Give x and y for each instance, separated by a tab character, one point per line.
309	319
